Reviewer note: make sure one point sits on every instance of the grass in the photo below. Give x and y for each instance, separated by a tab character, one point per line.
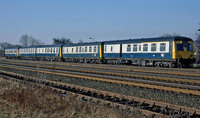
19	100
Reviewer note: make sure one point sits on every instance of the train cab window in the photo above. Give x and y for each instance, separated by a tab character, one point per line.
90	49
95	48
162	46
180	47
105	48
86	49
128	48
145	47
189	47
135	48
153	47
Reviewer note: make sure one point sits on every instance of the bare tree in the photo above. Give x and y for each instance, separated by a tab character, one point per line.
26	40
62	40
80	41
197	47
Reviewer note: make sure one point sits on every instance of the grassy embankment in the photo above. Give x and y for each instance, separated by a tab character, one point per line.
19	100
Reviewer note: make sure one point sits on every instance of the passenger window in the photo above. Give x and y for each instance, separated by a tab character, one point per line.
128	48
135	48
80	49
111	48
139	47
162	46
95	48
105	48
85	49
72	50
153	47
145	47
76	49
90	49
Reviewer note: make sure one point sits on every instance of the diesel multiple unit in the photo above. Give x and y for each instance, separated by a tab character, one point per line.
161	51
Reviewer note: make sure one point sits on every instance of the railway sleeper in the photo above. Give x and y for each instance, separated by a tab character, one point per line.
74	89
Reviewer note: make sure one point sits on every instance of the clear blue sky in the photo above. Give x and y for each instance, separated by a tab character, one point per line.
100	19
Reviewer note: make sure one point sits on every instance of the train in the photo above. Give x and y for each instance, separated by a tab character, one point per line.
175	51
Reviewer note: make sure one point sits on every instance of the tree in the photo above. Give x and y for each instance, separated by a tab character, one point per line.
62	40
26	40
197	48
80	41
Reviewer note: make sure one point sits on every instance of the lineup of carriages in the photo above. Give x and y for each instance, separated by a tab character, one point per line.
160	51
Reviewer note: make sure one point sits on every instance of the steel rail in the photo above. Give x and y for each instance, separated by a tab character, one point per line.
165	79
177	90
131	69
135	70
144	104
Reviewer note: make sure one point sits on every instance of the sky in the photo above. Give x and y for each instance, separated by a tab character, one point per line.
103	20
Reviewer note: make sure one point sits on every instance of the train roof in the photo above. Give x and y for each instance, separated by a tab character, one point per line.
83	44
157	39
10	48
59	45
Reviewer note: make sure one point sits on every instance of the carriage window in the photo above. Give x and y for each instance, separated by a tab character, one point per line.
162	46
145	47
180	47
80	49
153	47
67	50
56	50
90	49
85	49
105	48
76	49
95	48
189	47
128	48
72	50
111	48
139	47
135	48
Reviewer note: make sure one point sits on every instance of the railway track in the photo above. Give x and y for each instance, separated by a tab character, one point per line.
143	70
148	108
173	87
195	82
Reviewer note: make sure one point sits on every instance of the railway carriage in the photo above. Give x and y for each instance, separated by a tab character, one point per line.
161	51
168	51
83	52
28	53
49	52
12	53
